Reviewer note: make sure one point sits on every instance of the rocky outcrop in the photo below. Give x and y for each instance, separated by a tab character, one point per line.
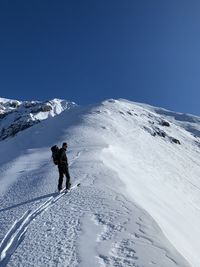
16	116
165	123
156	131
176	141
14	128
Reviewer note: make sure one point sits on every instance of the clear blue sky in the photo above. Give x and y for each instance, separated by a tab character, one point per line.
89	50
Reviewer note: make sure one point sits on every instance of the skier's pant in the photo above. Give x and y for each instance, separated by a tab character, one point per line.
63	170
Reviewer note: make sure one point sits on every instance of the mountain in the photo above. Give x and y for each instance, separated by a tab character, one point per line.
15	116
139	199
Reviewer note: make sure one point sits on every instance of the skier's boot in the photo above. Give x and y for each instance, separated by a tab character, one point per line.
68	186
59	188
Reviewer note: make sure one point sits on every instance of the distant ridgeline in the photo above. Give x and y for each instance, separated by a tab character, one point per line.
16	116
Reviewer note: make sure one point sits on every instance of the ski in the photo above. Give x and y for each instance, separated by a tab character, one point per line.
64	190
72	187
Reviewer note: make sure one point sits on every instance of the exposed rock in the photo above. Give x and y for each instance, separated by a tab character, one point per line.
111	100
14	104
14	128
151	122
42	108
176	141
155	131
30	104
160	132
150	131
3	115
46	108
165	123
98	111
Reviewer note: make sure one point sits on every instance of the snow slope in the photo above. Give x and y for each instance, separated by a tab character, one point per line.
138	203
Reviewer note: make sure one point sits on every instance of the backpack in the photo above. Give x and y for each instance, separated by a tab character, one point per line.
55	154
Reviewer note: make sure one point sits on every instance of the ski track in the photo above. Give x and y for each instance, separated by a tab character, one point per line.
117	235
16	233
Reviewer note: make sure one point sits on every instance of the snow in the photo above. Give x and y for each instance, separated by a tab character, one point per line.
5	100
138	203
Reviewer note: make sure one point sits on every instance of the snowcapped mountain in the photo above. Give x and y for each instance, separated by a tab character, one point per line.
16	116
139	199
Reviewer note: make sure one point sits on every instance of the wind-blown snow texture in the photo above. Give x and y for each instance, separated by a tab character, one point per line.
139	199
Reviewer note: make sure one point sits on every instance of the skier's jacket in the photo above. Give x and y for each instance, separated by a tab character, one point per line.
62	157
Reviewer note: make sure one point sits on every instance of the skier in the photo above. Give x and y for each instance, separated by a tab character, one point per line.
63	167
